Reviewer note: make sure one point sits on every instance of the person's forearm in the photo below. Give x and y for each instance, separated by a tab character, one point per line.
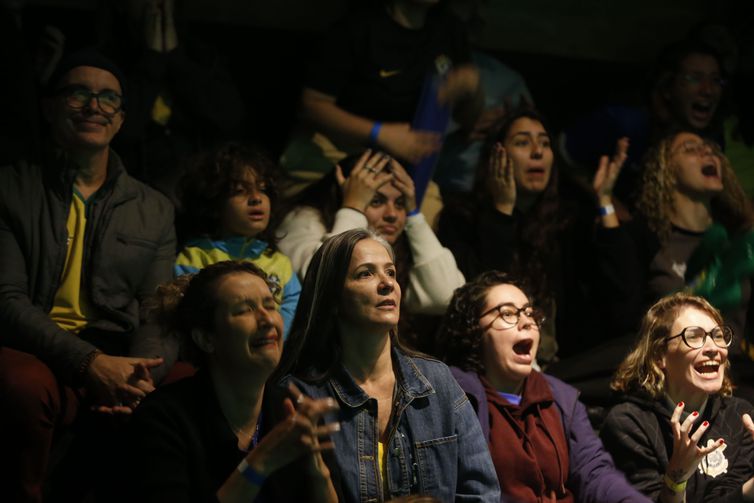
338	124
237	488
608	217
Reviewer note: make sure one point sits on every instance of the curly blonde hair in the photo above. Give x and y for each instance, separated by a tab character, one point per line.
640	371
732	208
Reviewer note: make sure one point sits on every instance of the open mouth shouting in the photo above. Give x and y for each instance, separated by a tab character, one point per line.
522	351
702	111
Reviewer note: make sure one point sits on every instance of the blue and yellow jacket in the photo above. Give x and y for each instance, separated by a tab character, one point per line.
201	252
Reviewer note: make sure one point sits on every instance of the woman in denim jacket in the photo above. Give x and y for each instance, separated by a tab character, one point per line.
406	426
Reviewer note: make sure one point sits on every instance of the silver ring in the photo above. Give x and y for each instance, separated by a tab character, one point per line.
371	169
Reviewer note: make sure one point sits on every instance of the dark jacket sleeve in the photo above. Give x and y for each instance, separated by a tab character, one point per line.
727	488
24	325
149	341
623	257
592	471
631	440
480	244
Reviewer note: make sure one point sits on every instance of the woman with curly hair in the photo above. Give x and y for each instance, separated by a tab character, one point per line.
517	221
541	441
204	438
226	212
678	432
693	232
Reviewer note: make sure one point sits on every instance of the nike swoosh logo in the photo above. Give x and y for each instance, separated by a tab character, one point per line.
388	73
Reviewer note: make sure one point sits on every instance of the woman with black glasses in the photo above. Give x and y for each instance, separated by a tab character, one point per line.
542	444
679	434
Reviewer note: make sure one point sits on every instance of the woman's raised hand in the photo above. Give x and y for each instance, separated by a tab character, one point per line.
608	171
405	184
686	451
367	176
502	180
299	433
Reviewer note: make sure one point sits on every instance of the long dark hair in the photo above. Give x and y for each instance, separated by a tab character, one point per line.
537	255
314	348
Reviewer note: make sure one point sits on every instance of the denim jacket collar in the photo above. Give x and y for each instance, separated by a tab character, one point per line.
410	381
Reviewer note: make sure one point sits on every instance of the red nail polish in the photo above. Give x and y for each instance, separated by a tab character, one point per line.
680	404
695	413
722	441
706	423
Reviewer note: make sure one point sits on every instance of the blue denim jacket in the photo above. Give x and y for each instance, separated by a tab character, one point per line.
435	445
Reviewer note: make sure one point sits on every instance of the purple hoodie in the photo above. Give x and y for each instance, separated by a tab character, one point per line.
593	477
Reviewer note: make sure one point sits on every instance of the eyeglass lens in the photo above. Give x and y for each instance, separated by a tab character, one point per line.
696	336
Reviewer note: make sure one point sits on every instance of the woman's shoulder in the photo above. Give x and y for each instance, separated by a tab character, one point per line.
437	374
630	409
734	406
173	402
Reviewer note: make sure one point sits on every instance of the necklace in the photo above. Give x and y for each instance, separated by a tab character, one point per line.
253	437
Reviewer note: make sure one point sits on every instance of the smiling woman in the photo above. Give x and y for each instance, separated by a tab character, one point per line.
489	337
678	432
692	233
204	438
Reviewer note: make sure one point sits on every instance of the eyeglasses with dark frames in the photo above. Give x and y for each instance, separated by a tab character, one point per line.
77	97
510	314
695	337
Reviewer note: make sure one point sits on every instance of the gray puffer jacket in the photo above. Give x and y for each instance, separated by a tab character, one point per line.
129	250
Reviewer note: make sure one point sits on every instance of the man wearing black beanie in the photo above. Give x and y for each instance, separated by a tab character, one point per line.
81	245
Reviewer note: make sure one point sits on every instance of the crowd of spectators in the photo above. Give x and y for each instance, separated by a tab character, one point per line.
214	321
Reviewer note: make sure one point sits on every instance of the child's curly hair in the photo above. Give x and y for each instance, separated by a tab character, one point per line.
211	179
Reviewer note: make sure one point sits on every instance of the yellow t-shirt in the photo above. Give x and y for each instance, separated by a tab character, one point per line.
383	465
71	309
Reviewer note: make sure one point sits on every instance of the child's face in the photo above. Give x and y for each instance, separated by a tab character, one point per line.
247	210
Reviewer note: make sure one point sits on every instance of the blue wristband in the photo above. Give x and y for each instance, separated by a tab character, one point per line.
374	133
413	212
606	210
250	474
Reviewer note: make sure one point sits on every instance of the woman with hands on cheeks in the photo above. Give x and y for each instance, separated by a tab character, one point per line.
406	427
376	193
516	220
678	432
541	441
204	438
